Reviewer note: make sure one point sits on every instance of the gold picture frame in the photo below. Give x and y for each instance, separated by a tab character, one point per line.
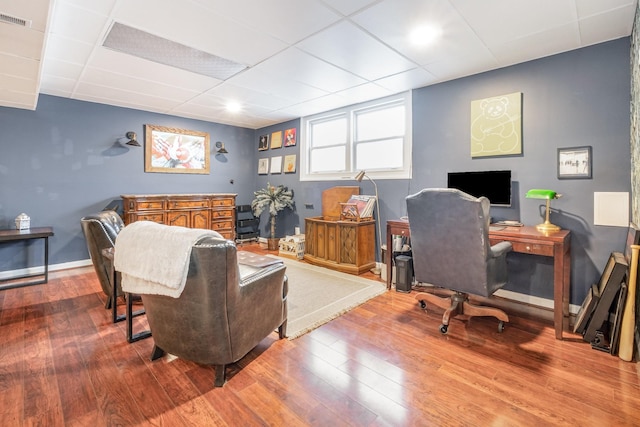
173	150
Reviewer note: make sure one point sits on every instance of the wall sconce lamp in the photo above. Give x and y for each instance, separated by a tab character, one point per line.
131	136
220	147
545	227
359	177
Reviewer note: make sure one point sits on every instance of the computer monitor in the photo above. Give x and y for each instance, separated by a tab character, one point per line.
494	185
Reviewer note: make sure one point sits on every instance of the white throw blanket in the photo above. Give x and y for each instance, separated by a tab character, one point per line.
154	258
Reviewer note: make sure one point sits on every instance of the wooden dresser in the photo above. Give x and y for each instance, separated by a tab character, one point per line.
347	246
215	211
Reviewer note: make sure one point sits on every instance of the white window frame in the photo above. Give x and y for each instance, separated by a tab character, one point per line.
349	112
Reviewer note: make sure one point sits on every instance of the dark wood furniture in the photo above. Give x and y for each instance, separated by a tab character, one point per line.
129	314
524	240
28	234
346	246
213	211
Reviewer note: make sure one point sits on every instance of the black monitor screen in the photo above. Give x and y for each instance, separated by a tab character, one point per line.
494	185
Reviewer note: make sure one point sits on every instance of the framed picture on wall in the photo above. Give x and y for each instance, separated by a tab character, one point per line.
276	164
290	137
276	139
172	150
263	166
574	163
290	163
263	144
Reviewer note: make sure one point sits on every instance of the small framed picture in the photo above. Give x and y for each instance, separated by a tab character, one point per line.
290	163
264	143
263	166
276	164
290	137
574	163
276	139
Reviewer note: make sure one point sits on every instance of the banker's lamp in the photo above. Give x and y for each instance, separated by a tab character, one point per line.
546	226
359	177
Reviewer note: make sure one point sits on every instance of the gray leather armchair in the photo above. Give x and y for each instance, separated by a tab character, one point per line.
221	314
100	231
451	250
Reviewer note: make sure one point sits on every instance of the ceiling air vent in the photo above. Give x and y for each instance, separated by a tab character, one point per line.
14	20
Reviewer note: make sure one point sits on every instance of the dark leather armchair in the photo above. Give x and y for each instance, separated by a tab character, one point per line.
100	231
221	314
451	250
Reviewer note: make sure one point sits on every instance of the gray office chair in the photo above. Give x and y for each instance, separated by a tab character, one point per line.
451	250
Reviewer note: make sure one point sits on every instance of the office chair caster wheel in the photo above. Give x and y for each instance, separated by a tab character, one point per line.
444	329
423	305
500	327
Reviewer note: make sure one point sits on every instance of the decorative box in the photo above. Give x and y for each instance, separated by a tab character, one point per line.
292	246
23	222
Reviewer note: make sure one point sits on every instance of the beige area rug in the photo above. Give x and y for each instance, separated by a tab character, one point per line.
318	295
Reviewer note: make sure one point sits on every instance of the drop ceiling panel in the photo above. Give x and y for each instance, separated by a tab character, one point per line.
122	63
587	8
66	49
297	65
350	48
495	21
244	96
20	41
88	91
349	7
383	20
78	23
18	66
607	26
17	99
279	86
417	77
286	20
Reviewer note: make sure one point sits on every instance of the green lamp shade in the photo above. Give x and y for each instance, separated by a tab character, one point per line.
541	194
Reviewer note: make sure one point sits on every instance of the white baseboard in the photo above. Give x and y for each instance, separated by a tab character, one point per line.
532	300
6	275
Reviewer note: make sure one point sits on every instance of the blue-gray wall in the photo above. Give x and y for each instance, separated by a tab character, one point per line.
573	99
56	164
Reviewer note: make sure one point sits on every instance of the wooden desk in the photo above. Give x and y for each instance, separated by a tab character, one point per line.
28	234
524	240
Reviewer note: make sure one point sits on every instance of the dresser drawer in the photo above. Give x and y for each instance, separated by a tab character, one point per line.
148	205
221	225
188	204
155	217
223	201
221	213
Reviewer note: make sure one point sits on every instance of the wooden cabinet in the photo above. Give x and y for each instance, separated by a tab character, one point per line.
208	211
345	246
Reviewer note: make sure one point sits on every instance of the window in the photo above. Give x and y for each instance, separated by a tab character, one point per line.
373	136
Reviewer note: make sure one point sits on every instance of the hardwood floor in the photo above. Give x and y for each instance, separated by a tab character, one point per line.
62	362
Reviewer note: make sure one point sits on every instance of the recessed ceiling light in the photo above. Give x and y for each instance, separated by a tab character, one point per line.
424	35
234	107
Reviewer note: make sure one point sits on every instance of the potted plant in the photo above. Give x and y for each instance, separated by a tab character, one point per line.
275	199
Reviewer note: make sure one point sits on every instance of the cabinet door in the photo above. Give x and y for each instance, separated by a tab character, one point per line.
332	239
200	219
179	218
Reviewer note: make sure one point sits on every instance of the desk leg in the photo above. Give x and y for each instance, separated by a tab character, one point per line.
561	285
46	259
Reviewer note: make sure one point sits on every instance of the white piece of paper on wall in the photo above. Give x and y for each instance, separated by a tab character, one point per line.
611	209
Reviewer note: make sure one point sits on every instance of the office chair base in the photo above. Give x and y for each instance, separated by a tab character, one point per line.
458	304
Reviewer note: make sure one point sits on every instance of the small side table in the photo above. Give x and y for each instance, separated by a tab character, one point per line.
28	234
129	313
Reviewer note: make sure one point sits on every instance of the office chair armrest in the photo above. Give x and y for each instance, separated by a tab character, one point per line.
499	249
